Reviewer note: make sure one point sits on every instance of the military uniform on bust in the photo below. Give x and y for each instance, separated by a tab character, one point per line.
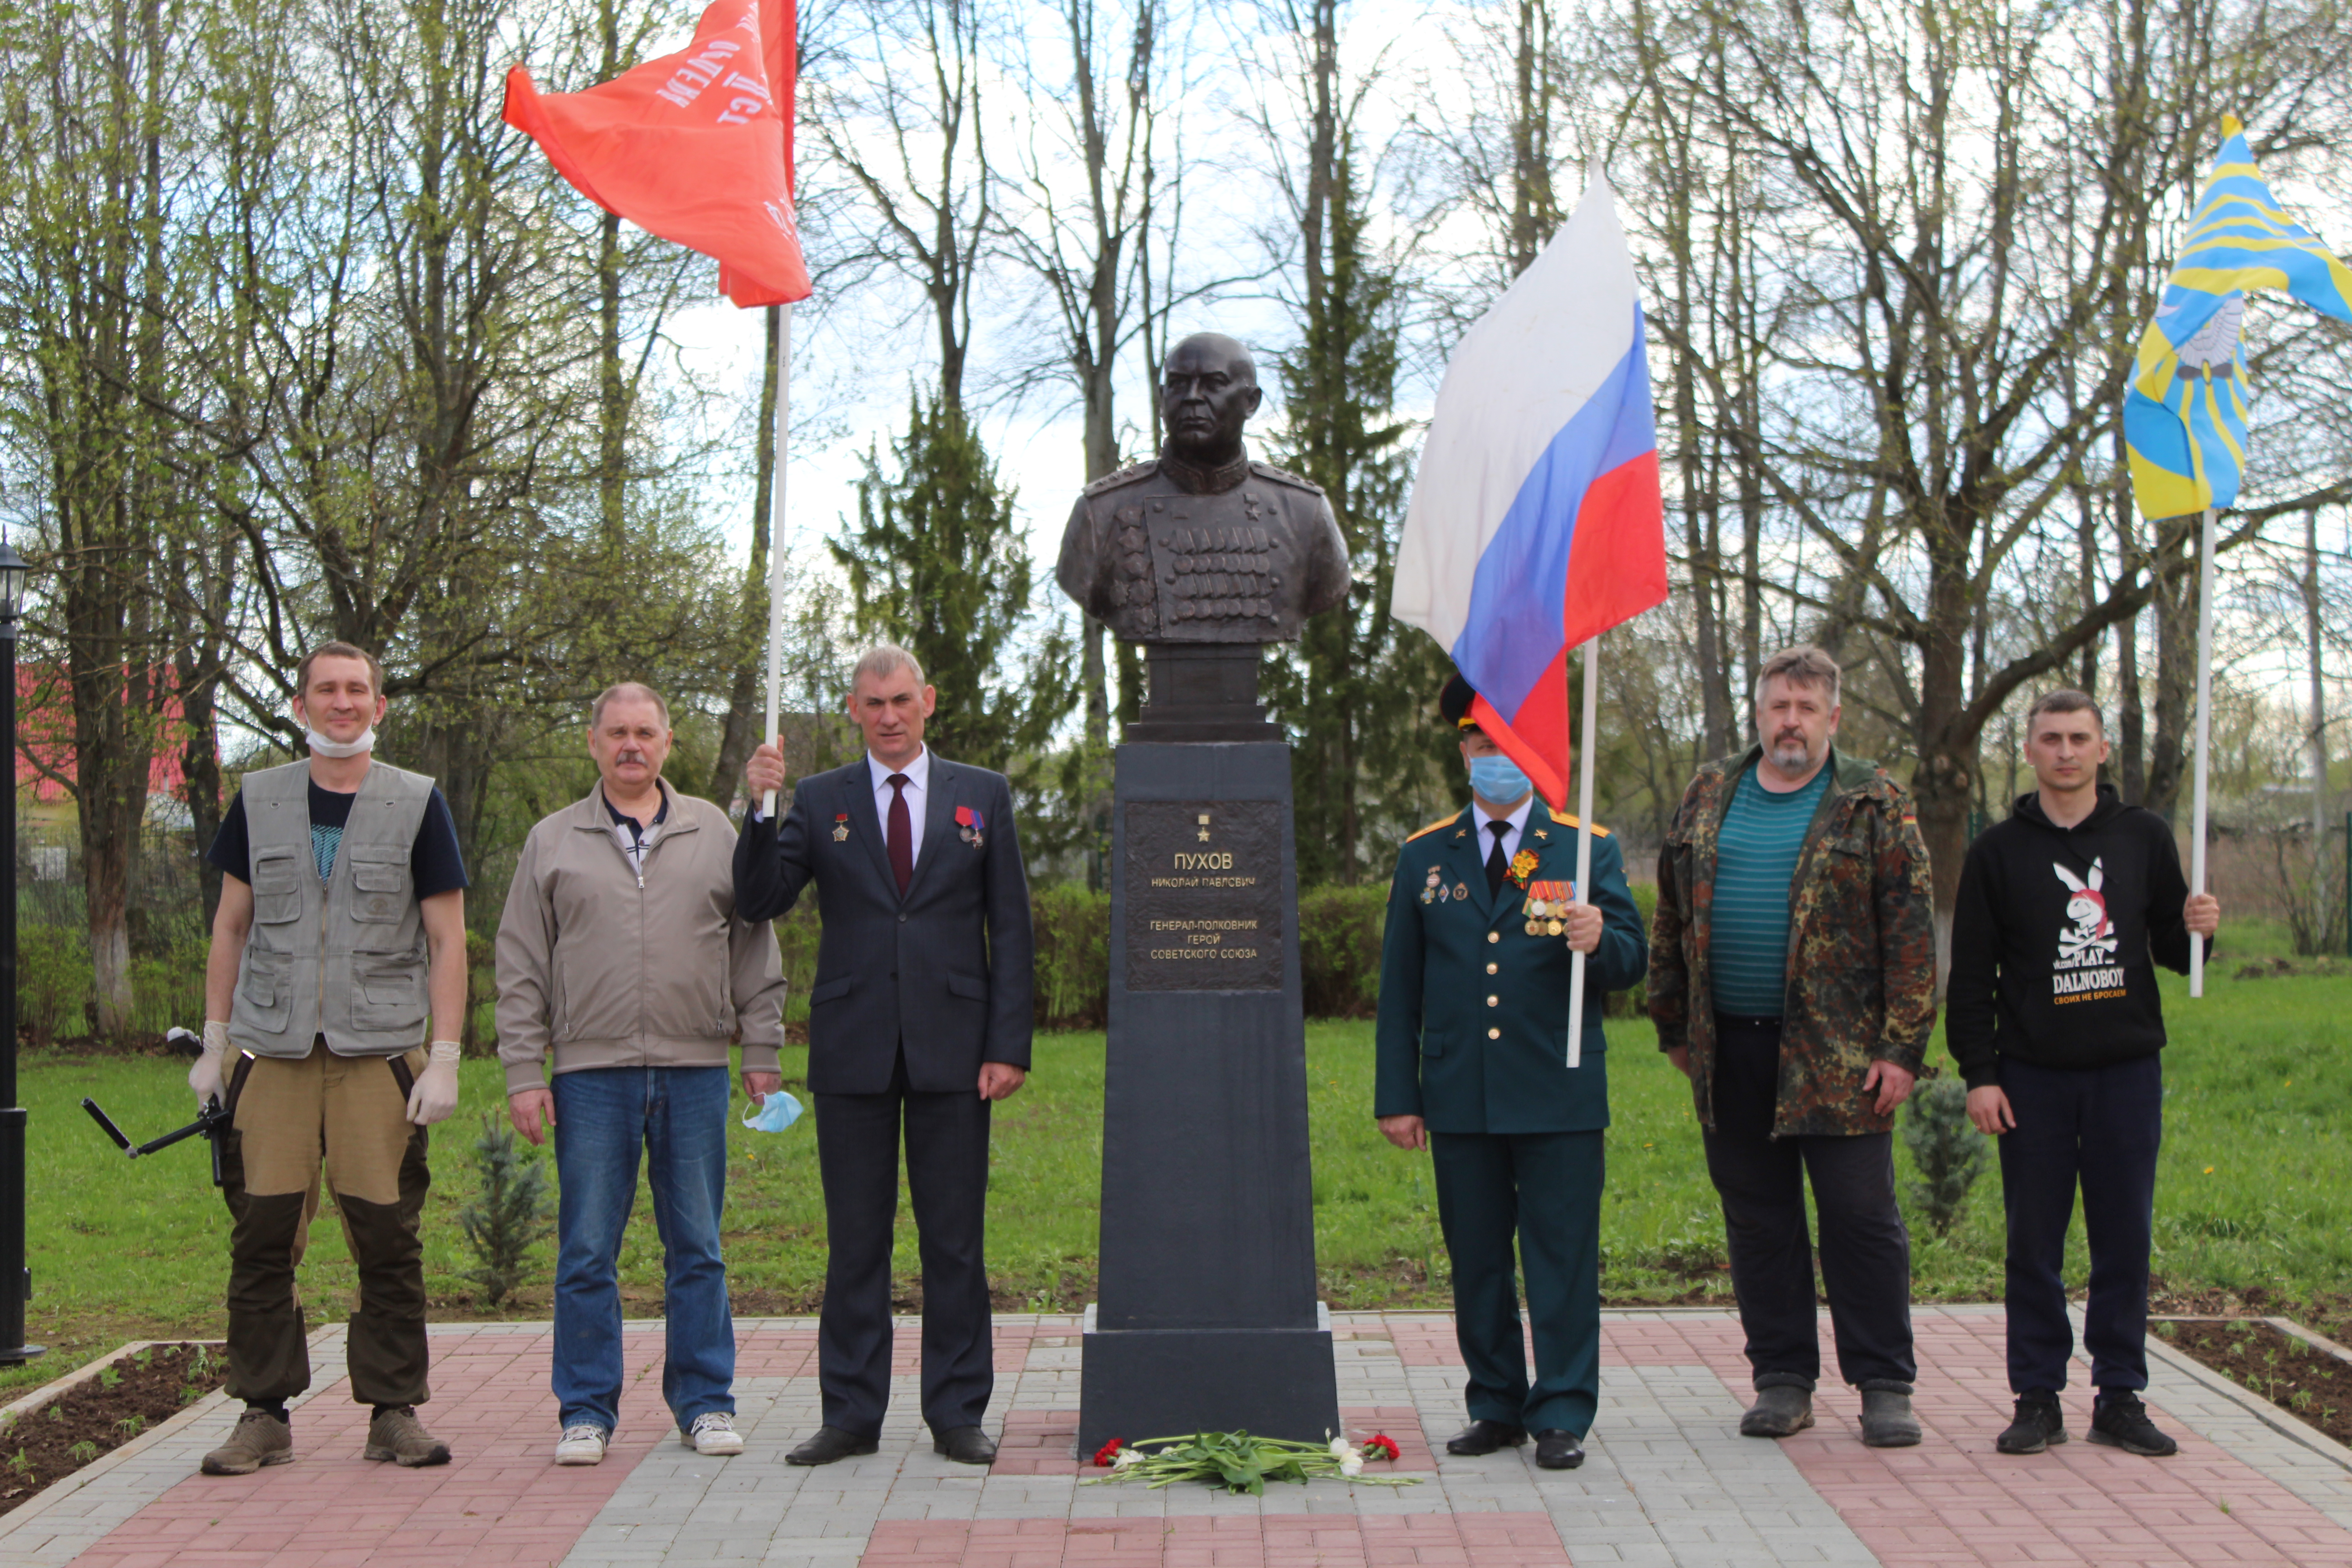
1170	552
1471	1059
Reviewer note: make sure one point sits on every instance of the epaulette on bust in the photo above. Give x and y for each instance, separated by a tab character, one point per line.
1281	477
1564	820
1125	476
1441	822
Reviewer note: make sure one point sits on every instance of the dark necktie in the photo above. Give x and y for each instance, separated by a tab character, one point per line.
901	836
1497	866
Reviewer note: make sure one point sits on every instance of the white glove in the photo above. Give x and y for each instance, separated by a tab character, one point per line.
205	1077
436	1094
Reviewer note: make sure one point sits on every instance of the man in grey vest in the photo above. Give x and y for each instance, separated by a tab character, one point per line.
341	933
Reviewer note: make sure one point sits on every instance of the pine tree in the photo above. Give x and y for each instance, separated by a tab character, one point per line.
1359	693
938	564
1947	1151
510	1217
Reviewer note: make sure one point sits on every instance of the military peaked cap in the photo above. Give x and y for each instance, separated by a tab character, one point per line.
1454	701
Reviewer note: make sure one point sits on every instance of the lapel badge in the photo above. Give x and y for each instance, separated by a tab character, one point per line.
1542	835
1461	889
970	826
840	828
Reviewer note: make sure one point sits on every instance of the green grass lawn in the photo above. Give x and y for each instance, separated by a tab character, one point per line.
2250	1195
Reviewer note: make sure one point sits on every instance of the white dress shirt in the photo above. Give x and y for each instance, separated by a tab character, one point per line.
1519	821
919	783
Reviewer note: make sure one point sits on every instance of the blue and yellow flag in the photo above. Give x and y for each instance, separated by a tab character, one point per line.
2185	414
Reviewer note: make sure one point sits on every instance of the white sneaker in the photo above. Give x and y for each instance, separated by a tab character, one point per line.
581	1445
714	1433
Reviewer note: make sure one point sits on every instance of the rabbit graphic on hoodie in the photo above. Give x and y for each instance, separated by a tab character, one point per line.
2056	938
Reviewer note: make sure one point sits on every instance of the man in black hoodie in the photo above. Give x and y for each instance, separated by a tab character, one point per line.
2053	1015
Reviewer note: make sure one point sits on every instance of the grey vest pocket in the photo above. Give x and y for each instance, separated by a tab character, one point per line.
388	991
277	886
266	992
380	883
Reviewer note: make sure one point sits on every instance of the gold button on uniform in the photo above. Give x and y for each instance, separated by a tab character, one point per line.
1493	1033
1490	969
1494	936
1493	1001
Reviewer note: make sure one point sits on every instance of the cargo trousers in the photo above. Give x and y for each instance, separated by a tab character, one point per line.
292	1120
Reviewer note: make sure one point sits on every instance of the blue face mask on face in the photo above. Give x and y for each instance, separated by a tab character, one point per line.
1499	779
775	1114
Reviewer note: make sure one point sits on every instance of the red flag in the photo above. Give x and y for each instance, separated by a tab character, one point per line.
695	146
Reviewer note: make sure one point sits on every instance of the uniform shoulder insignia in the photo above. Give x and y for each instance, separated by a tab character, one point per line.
1125	476
1564	820
1282	477
1425	832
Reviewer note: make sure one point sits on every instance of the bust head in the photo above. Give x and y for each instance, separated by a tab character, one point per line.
1208	390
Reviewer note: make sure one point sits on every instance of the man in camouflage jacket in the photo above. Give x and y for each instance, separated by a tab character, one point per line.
1792	978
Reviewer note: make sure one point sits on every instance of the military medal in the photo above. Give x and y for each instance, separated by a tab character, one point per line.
970	826
840	828
1547	903
1434	890
1461	889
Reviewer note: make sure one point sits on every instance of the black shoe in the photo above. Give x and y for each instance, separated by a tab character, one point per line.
1557	1449
1779	1411
2039	1423
2120	1421
966	1446
1484	1437
831	1443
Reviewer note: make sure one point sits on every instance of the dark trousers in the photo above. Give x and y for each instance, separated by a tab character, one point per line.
1544	1188
346	1116
1865	1250
2099	1127
947	1174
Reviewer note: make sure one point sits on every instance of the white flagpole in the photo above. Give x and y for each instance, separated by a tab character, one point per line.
2204	738
1582	892
776	538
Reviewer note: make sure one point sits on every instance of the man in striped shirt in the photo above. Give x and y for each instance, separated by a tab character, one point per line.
1793	978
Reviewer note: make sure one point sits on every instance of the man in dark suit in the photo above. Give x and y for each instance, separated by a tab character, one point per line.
1471	1064
921	1012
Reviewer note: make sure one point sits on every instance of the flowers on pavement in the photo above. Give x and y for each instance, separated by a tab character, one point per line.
1240	1462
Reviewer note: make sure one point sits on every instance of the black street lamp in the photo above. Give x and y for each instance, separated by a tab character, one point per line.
16	1280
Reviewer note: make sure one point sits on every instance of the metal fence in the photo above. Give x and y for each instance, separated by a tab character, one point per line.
56	986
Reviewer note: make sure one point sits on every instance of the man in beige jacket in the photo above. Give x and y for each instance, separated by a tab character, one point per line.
620	958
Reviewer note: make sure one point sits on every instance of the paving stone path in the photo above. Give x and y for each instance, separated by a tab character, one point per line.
1668	1481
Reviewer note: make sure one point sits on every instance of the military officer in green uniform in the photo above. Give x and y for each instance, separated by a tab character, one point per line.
1481	916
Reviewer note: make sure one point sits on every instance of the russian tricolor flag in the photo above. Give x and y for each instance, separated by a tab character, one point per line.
1537	522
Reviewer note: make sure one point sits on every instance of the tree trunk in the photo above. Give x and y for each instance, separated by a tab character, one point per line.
1945	783
2175	667
746	692
2314	650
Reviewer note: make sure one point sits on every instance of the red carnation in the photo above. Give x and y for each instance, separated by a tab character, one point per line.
1108	1453
1380	1446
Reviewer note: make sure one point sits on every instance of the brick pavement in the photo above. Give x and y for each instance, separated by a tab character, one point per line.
1667	1481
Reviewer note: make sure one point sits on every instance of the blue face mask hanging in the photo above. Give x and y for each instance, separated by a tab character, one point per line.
1499	779
778	1111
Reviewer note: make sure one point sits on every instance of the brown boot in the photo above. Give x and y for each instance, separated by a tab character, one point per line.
398	1435
261	1438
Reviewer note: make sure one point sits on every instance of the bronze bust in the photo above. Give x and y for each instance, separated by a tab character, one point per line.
1202	545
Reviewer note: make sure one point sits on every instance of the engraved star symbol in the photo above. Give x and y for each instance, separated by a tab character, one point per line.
1204	827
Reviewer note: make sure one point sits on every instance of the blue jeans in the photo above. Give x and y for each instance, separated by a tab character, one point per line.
679	1115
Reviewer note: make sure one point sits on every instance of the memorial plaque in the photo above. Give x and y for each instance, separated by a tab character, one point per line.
1205	895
